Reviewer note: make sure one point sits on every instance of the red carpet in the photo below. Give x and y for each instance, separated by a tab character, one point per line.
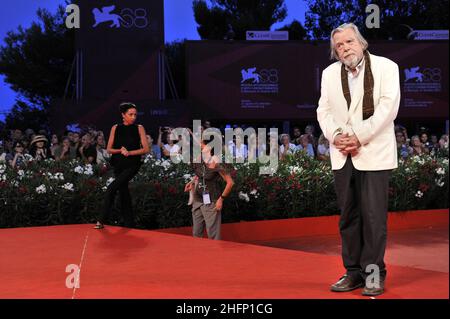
121	263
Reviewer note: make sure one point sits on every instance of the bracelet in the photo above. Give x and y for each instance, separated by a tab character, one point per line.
223	197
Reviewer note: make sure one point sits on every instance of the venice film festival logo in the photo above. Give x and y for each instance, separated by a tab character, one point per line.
109	17
262	81
422	80
413	74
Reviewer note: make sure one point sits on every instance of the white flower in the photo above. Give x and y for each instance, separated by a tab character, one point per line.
166	164
419	194
2	168
21	174
419	160
78	170
15	183
68	187
187	178
254	192
445	161
440	171
244	196
295	169
41	189
147	158
88	170
57	176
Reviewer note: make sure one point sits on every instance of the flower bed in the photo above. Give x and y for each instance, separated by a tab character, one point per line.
53	193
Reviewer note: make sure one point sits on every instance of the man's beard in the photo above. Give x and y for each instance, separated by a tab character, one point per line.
351	62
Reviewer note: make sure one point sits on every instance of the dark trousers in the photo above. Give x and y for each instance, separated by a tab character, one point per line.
122	177
363	200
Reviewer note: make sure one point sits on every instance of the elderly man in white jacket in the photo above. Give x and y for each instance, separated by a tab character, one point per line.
360	97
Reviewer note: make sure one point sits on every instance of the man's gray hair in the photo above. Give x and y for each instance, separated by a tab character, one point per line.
342	27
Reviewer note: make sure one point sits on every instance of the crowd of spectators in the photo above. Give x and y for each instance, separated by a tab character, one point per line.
89	145
422	142
22	146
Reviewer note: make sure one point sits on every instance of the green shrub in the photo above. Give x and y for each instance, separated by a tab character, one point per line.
53	193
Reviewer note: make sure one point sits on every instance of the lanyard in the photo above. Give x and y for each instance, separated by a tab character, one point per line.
203	175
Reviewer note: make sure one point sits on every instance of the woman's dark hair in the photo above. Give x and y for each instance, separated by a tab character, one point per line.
18	143
124	107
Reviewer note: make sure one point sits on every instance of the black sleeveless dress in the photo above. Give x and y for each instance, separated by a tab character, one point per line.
126	136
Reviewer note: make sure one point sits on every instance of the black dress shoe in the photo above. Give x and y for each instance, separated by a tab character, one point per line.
347	283
373	291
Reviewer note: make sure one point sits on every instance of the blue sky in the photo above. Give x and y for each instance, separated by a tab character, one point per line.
179	24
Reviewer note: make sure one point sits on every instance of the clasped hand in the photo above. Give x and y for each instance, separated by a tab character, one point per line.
347	144
124	152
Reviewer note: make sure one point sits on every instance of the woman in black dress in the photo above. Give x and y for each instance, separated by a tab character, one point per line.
127	143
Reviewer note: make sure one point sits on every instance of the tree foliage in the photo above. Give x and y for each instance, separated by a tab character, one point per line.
36	61
397	18
226	19
23	115
295	29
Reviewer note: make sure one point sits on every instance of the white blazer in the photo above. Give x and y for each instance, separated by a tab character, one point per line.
376	134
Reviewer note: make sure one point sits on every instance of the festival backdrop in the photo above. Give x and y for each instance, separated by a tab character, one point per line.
118	48
281	80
